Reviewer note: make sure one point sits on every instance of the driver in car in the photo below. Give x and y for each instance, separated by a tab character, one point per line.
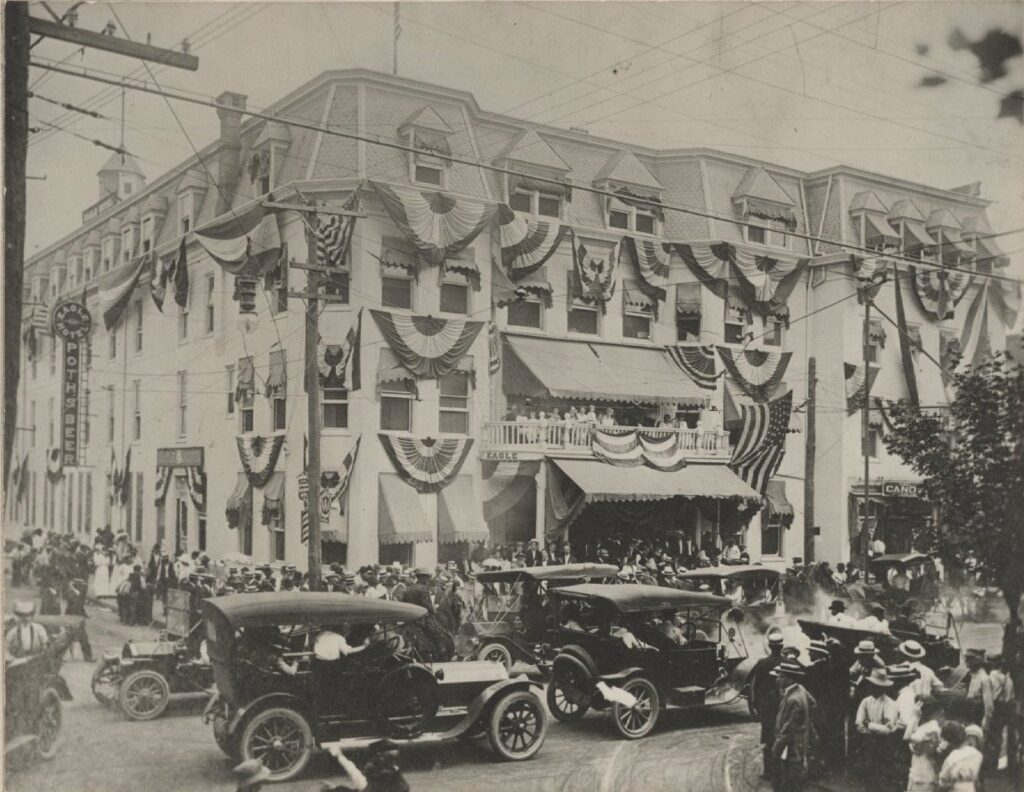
331	645
668	626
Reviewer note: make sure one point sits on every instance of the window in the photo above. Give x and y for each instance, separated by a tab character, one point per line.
280	413
126	244
549	205
89	265
138	327
334	408
51	425
618	219
182	403
770	233
583	320
53	356
455	403
636	326
280	288
277	541
771	534
772	332
455	293
147	234
637	311
183	318
87	526
137	410
737	318
525	313
758	235
396	292
110	414
201	520
126	189
112	342
427	174
521	201
108	254
230	374
396	407
688	328
247	414
869	444
185	203
631	218
645	222
139	500
536	202
210	297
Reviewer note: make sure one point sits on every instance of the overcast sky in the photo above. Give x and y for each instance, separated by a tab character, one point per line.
808	85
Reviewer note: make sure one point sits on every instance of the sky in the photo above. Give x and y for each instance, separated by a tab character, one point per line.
805	85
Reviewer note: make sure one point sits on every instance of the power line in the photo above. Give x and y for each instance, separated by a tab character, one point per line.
68	106
100	143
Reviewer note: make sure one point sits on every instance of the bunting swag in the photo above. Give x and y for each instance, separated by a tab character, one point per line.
181	276
246	244
652	264
766	282
339	364
909	368
428	465
709	263
493	349
855	389
526	243
939	291
428	347
762	443
195	478
756	372
116	288
54	464
506	484
439	225
163	271
163	483
872	273
633	447
994	302
259	457
697	362
596	275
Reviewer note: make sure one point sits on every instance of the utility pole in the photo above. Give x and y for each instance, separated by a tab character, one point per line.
865	430
810	452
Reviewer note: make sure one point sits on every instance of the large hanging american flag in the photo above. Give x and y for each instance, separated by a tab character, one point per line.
334	236
332	486
762	442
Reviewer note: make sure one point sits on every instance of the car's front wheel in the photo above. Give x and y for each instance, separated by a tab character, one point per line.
51	717
566	702
517	726
104	682
637	721
144	695
496	653
281	739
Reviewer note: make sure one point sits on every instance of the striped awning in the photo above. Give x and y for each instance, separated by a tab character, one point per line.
400	518
688	300
459	518
878	227
778	504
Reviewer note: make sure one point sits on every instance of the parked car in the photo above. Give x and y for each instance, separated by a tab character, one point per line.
613	640
899	580
277	702
512	614
755	588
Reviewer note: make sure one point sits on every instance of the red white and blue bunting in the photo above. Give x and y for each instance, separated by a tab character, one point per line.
697	362
652	264
246	244
526	243
438	224
259	457
427	346
756	372
116	288
595	276
855	385
632	447
762	443
939	291
994	302
708	262
428	465
506	484
195	480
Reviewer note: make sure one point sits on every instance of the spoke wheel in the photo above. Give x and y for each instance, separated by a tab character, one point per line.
517	727
637	721
565	701
144	695
51	717
496	653
281	739
104	683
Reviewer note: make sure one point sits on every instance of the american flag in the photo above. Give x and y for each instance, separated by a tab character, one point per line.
334	236
762	442
304	492
493	349
333	486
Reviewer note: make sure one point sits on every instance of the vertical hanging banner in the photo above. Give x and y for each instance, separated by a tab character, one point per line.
71	322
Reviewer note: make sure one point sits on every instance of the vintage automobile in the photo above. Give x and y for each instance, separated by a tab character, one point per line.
277	702
600	665
33	694
512	613
141	678
756	589
899	580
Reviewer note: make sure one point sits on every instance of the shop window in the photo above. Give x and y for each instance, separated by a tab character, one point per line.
454	417
334	406
525	313
396	292
771	535
396	407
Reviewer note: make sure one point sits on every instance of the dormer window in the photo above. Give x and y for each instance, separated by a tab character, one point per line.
637	202
535	197
770	233
765	209
267	152
109	251
871	224
428	133
541	182
127	243
147	234
634	216
185	205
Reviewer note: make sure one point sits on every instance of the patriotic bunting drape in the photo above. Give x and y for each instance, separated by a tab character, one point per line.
631	447
439	225
428	347
259	457
756	372
493	348
195	480
855	385
652	264
428	465
334	236
709	263
506	484
595	277
54	464
909	367
762	443
333	484
873	273
939	291
246	244
339	364
163	272
994	302
115	290
526	243
697	362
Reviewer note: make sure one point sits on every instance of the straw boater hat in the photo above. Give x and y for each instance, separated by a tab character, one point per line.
775	636
251	772
902	671
24	608
819	648
866	648
880	678
789	668
912	649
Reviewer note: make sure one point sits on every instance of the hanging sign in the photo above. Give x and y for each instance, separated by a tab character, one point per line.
71	321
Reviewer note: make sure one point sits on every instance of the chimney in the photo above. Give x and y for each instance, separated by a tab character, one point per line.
229	155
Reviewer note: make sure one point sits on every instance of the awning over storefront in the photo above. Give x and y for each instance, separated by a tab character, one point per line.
239	506
545	367
778	504
458	518
602	482
400	519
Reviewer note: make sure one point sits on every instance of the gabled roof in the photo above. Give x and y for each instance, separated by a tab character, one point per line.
532	149
942	218
121	162
758	184
867	201
624	167
905	209
427	118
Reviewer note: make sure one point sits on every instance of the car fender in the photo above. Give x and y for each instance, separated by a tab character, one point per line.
271	699
619	677
740	676
583	656
480	707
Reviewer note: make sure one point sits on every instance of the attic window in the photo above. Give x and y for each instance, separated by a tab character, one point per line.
429	162
633	215
260	168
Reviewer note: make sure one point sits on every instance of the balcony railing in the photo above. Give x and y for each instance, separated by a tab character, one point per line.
576	439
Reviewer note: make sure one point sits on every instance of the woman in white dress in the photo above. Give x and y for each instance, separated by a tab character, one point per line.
101	577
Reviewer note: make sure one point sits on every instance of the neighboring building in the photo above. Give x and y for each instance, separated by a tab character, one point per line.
183	388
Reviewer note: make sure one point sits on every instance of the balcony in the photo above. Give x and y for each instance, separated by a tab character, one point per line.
514	439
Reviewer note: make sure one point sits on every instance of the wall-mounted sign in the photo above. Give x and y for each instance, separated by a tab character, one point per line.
500	456
184	456
71	322
888	489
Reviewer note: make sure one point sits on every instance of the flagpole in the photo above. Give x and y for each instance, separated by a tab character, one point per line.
313	406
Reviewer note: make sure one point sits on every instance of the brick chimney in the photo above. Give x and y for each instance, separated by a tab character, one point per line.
229	153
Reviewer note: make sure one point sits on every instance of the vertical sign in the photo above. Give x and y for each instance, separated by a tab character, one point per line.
71	321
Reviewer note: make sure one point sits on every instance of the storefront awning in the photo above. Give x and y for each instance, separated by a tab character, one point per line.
546	367
400	518
603	482
778	504
458	518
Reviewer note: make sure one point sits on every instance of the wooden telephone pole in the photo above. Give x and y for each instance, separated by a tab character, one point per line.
865	430
810	452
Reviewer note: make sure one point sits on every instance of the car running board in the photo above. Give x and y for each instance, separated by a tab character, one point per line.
690	696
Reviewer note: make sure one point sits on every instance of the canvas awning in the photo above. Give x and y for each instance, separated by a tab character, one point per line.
277	377
503	290
273	499
601	482
918	236
876	332
239	506
635	299
878	226
400	519
546	367
778	504
458	517
688	300
390	370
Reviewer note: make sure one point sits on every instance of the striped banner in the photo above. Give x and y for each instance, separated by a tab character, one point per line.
428	465
334	236
697	362
756	371
652	264
526	243
762	443
633	447
493	349
427	346
855	387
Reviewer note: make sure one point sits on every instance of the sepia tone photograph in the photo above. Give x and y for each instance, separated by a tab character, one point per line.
550	396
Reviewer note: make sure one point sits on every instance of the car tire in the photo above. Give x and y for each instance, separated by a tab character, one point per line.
48	725
752	699
561	707
496	652
106	674
517	726
144	695
279	737
636	722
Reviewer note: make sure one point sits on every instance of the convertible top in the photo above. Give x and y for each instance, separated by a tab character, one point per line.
637	598
731	571
899	558
557	572
309	607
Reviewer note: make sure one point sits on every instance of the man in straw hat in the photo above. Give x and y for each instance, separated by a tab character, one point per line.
927	683
878	723
867	660
26	637
791	748
765	692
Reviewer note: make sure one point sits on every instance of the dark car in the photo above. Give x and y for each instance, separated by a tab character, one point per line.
661	647
756	589
900	581
512	612
277	702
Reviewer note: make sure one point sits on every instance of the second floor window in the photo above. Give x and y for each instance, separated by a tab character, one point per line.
127	244
334	408
137	410
396	291
773	330
454	418
183	318
737	321
230	376
108	254
637	311
396	406
147	234
454	293
526	313
583	316
210	303
688	312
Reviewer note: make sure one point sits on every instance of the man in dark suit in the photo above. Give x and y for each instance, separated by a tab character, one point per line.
418	593
766	693
792	729
533	553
